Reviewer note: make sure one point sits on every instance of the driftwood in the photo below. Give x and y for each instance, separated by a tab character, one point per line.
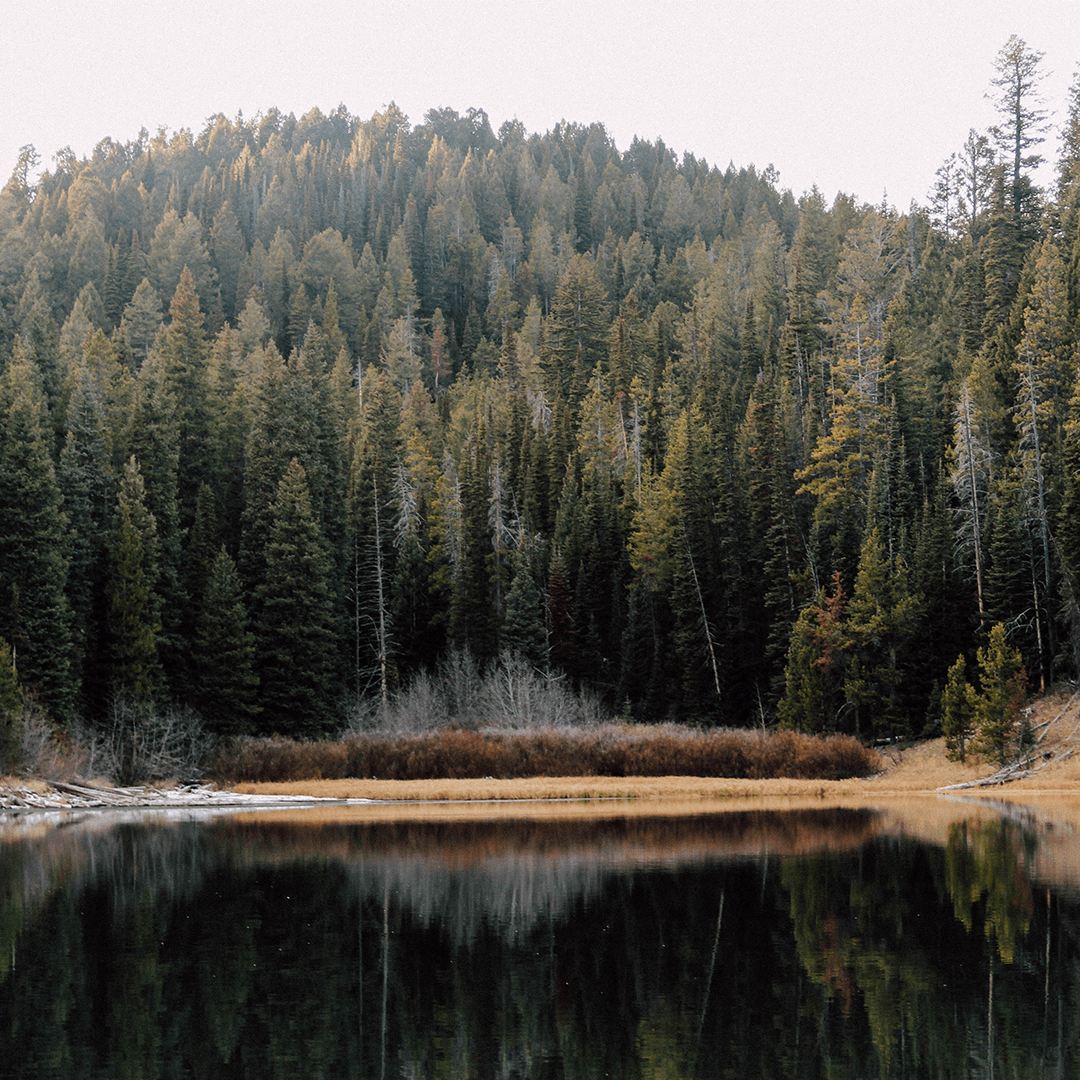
1018	770
62	796
1025	767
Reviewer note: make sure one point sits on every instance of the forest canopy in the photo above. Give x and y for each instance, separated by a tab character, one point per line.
294	408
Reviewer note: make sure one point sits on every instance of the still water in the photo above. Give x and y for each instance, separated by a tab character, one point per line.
554	943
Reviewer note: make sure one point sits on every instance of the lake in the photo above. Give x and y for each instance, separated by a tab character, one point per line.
922	938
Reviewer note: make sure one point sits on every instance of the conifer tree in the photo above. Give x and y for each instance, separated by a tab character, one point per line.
89	494
184	357
473	616
816	664
11	706
524	631
294	626
970	475
375	452
155	443
576	332
880	623
1023	124
958	703
1001	694
134	606
35	616
223	652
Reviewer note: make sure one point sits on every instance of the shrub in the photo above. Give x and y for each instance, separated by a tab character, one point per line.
605	750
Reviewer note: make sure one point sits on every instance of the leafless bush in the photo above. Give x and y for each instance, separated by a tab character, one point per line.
515	696
462	685
139	743
46	751
419	706
276	759
605	750
510	696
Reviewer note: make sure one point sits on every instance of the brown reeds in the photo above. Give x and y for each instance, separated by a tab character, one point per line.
605	750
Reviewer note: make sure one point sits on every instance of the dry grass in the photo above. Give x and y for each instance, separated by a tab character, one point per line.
609	750
921	769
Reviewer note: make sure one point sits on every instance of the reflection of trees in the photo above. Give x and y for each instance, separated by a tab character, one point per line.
872	932
985	862
265	950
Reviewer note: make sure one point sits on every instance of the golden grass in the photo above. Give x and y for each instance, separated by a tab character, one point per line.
923	768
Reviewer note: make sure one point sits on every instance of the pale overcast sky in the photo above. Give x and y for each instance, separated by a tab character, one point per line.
863	97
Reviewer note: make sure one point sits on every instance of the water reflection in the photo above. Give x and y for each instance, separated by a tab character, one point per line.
813	943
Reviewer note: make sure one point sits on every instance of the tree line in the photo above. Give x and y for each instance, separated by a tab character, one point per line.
294	408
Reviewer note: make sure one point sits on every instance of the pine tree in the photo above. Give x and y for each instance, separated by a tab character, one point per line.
375	453
841	465
1002	686
134	606
223	652
880	624
524	631
970	475
89	494
1023	124
816	664
576	332
957	711
35	616
294	625
473	616
184	357
11	707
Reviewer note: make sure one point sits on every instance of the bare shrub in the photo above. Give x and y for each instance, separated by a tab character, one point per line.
45	750
461	682
275	759
138	743
510	696
419	706
515	696
604	750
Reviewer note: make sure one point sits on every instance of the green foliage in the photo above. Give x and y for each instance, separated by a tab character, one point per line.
294	620
704	448
11	706
223	654
1002	688
958	702
134	605
816	664
34	547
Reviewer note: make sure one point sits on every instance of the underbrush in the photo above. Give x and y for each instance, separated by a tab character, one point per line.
133	744
603	750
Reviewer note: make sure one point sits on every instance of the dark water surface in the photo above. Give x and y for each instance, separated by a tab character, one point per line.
812	943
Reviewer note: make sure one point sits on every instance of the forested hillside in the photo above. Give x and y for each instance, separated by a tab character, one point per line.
292	408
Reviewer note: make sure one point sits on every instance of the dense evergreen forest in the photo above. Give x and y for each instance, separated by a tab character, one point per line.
293	408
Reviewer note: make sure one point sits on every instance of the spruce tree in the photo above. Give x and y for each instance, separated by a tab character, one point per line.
1002	686
957	711
223	652
524	632
880	624
11	706
35	616
89	494
184	357
294	626
134	606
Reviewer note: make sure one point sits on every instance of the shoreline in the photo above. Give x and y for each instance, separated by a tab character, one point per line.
917	771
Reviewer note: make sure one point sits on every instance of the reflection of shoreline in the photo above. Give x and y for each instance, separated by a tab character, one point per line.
481	858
